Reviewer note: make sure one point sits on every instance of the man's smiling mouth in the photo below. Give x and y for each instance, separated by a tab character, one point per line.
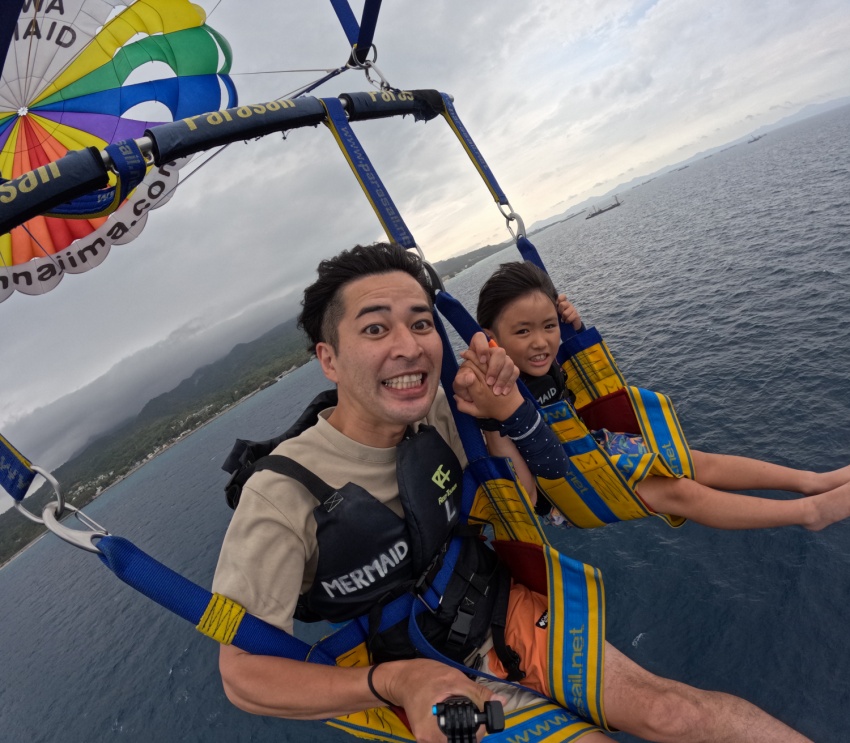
404	381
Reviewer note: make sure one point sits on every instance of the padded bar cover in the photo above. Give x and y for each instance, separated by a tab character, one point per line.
198	133
38	191
424	105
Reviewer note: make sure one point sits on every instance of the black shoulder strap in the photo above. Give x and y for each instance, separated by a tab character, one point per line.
244	455
289	467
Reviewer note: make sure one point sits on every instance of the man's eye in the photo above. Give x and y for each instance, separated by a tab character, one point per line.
423	325
373	329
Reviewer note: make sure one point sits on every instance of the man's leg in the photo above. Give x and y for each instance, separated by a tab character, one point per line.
726	472
660	710
723	510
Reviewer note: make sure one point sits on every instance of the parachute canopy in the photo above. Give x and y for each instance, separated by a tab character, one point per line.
87	73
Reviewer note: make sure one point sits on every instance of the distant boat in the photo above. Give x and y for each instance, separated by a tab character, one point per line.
596	211
755	138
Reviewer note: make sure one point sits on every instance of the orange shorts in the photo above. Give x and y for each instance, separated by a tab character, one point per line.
527	632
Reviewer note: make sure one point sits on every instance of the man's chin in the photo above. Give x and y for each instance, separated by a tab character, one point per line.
412	407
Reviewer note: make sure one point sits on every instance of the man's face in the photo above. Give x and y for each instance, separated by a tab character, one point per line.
387	362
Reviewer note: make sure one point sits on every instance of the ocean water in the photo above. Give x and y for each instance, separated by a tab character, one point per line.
725	285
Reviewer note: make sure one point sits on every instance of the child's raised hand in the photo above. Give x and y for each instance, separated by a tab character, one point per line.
500	372
477	398
569	314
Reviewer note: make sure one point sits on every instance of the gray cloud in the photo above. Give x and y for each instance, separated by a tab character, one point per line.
561	98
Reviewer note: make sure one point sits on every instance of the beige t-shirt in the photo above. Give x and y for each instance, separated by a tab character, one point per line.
269	554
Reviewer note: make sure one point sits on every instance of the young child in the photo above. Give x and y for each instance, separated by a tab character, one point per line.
519	308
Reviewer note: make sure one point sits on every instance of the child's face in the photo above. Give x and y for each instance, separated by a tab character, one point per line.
528	331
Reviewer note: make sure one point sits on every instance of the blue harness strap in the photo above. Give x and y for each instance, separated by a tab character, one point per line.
359	35
472	150
16	473
213	615
366	175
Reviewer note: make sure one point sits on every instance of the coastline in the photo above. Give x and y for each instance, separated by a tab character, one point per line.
161	450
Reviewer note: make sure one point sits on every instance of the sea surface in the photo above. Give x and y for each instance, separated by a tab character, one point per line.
725	285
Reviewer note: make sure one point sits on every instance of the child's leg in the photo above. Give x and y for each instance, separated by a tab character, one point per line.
727	472
723	510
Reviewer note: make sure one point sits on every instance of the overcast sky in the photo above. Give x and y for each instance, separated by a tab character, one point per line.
565	100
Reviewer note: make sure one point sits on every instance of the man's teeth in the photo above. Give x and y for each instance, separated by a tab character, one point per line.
404	381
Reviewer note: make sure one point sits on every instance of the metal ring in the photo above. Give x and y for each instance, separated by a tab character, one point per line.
19	507
54	483
355	64
76	537
57	489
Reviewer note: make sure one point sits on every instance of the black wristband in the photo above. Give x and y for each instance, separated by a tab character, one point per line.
372	687
488	424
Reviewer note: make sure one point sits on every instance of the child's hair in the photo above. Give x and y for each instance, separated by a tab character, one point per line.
511	281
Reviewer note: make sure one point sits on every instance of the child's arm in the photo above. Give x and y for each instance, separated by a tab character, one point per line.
502	446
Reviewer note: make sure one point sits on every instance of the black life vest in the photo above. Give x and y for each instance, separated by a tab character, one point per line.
368	555
366	550
550	387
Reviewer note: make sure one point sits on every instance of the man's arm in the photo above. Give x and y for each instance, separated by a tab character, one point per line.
529	442
280	687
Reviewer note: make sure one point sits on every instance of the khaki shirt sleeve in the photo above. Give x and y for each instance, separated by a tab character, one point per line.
263	557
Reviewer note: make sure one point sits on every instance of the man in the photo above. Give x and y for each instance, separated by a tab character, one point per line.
370	317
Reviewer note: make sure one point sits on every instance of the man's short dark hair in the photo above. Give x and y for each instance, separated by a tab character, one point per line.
510	282
322	303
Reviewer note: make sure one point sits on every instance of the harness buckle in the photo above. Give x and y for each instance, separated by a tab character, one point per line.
461	627
423	582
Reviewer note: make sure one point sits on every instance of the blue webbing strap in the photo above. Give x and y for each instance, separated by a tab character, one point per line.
130	165
347	20
360	35
188	600
16	474
474	154
366	175
467	428
368	21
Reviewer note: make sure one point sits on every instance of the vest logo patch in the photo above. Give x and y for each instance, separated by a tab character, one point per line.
333	502
440	478
543	622
365	576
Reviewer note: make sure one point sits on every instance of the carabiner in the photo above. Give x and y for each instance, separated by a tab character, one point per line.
77	537
520	225
383	84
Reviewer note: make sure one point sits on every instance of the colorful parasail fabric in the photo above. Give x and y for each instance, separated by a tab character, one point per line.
83	73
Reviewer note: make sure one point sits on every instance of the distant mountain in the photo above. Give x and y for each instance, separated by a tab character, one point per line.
453	266
197	399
